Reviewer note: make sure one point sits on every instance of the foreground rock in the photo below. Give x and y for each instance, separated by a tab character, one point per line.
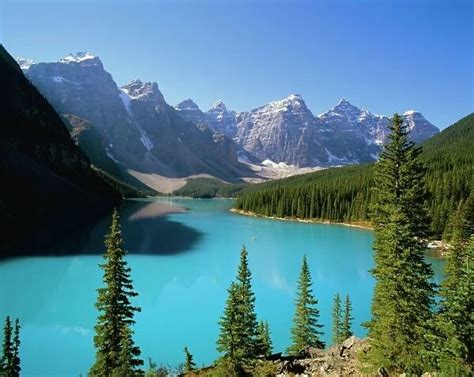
340	360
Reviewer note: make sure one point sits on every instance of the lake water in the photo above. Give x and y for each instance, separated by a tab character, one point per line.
183	254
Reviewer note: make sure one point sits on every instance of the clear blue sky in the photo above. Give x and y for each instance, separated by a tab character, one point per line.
386	56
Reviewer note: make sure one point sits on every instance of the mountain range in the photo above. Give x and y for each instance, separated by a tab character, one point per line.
142	138
287	131
140	133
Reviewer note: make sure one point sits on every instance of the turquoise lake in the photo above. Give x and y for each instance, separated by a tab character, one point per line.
183	254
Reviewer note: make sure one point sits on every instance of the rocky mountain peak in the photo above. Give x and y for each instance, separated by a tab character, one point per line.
187	104
83	58
293	103
345	107
219	106
412	113
143	91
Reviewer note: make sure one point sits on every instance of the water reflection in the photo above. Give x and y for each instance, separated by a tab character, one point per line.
145	226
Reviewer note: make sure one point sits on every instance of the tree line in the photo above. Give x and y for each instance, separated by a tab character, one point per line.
344	194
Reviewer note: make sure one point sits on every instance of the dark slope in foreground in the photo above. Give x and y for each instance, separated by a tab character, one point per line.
343	194
47	184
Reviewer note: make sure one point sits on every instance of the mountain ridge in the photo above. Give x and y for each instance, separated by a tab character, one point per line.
286	130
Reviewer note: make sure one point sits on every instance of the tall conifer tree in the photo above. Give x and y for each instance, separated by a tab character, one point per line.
247	307
16	349
346	324
115	350
7	349
306	327
189	364
239	323
336	320
403	296
263	342
229	336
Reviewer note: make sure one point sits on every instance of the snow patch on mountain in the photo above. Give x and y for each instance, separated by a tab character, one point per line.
62	80
279	165
127	100
24	63
77	57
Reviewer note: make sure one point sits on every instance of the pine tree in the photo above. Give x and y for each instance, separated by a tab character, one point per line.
113	332
268	339
189	364
16	349
346	325
403	296
305	330
248	317
263	342
336	320
239	323
452	340
7	349
229	337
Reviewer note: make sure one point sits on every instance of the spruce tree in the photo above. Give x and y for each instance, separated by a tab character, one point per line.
239	323
268	339
189	364
263	342
229	336
113	329
403	296
7	349
452	340
248	317
346	325
305	330
336	320
16	349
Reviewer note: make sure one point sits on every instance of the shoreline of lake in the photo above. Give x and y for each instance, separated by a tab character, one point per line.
361	224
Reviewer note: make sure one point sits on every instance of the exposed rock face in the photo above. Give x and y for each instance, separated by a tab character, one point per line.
83	88
140	130
287	131
189	111
222	120
282	131
420	128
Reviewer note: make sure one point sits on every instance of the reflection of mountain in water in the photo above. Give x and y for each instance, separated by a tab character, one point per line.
145	226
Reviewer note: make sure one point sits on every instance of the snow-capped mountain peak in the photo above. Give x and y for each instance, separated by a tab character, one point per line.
294	102
218	105
77	57
24	63
145	91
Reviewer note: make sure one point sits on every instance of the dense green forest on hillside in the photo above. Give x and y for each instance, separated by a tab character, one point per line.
343	194
210	188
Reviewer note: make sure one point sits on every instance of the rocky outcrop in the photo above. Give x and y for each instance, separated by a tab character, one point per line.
340	360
